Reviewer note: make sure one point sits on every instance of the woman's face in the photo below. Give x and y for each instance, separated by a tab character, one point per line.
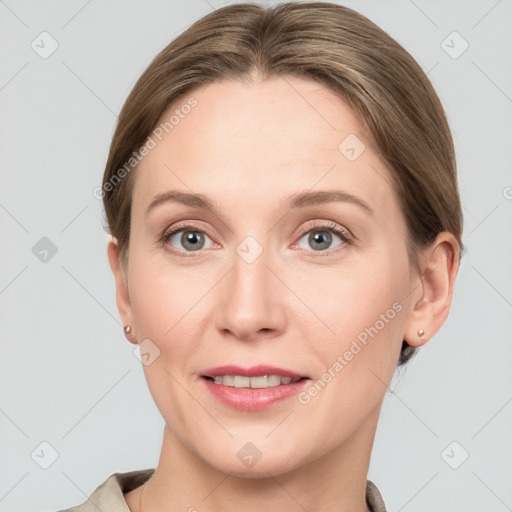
301	265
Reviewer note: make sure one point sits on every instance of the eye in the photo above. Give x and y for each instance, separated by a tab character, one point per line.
188	236
192	238
320	237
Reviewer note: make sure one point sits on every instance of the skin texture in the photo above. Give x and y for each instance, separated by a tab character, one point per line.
248	147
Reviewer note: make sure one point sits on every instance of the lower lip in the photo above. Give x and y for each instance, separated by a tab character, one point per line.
253	399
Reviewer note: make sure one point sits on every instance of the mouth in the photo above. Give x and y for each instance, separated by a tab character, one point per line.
261	376
257	382
254	388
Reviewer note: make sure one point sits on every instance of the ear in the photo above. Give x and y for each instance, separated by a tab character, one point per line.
121	282
433	291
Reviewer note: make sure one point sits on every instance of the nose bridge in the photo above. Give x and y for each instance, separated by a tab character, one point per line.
249	298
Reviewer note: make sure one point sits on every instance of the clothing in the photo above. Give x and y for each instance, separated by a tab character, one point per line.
108	497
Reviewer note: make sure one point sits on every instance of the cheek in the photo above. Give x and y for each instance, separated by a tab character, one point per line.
165	297
356	363
363	307
356	295
169	310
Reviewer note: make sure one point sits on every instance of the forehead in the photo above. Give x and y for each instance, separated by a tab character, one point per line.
261	140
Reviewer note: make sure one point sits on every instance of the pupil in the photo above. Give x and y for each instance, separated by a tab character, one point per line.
192	238
323	238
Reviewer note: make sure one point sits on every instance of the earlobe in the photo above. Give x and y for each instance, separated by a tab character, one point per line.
122	293
439	266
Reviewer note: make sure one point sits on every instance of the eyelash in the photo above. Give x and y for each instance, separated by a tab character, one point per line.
330	226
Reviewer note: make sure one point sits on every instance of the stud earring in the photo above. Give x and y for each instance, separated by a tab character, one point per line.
421	332
129	334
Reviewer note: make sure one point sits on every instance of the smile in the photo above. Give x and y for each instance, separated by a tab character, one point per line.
252	389
263	381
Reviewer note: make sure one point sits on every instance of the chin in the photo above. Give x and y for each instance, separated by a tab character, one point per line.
259	470
245	460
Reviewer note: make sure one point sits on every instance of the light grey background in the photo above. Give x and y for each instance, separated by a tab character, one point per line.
69	378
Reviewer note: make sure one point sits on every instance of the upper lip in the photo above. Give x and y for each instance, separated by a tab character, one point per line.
253	371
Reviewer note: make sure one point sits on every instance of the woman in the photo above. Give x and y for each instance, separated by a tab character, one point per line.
286	228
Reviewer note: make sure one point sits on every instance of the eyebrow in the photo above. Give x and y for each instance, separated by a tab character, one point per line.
299	200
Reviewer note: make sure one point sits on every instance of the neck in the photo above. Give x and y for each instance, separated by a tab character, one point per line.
334	481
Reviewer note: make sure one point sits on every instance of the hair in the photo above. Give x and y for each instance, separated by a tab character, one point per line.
332	45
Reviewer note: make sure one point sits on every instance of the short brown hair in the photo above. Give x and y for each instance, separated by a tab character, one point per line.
328	43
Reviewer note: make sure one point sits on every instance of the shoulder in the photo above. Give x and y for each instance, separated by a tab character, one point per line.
108	496
374	498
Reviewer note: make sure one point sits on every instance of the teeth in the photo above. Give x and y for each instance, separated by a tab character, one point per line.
242	382
259	382
228	380
274	380
262	381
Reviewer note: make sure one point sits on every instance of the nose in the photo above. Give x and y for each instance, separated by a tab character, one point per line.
251	300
